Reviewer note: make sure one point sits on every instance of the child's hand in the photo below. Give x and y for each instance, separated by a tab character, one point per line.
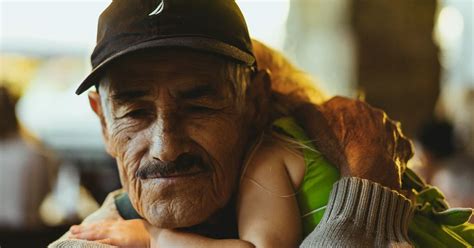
361	140
121	233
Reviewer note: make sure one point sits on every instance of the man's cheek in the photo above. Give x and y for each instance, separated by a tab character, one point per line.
128	164
224	147
130	149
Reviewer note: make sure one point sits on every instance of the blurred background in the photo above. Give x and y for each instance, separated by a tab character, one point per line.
412	58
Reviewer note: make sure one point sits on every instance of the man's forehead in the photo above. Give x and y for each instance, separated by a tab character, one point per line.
181	87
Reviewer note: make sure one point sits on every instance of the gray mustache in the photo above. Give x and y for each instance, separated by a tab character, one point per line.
181	164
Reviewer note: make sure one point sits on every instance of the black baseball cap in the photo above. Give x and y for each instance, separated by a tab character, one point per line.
127	26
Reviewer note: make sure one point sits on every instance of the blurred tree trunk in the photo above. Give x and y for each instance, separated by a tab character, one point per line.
398	66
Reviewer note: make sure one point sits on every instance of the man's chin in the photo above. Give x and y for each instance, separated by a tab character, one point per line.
177	207
179	217
178	203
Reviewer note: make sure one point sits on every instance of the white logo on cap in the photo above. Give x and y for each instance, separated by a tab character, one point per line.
158	9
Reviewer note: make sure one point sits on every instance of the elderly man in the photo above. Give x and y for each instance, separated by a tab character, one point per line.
179	97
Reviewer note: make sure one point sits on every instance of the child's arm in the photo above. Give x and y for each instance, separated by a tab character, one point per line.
268	212
173	238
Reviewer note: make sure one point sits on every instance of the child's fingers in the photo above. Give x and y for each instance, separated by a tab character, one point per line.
75	229
98	226
90	234
82	228
106	241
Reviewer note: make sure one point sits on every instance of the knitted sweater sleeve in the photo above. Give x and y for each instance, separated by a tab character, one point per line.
361	213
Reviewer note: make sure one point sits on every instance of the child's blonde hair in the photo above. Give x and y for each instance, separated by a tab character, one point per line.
287	79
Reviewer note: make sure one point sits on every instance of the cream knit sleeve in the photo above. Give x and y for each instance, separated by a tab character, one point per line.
361	213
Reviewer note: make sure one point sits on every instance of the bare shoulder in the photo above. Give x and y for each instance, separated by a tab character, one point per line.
275	159
267	209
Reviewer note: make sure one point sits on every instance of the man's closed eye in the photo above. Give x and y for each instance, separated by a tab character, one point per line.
139	114
202	109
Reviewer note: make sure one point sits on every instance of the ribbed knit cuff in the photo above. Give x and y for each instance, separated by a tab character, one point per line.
361	213
76	243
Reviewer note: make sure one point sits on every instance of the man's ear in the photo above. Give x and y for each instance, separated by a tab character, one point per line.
258	95
95	103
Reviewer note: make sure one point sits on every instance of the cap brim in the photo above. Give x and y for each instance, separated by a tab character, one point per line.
198	43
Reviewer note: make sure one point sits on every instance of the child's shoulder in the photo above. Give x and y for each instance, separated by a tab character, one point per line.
273	154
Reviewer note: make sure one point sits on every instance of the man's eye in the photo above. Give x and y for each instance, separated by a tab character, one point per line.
139	113
200	109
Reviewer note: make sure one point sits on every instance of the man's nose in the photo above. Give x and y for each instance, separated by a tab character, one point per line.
169	141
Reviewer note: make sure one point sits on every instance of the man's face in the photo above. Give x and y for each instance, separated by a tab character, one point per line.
171	122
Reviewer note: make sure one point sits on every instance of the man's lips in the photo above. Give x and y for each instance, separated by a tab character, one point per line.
195	170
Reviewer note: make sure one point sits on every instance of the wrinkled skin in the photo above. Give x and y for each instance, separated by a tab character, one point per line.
361	140
155	107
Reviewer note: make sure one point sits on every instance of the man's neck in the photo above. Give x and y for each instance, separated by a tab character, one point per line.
221	225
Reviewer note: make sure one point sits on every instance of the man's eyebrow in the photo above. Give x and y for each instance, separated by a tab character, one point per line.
129	95
198	91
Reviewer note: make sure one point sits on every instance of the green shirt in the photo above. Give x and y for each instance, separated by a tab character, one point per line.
320	175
